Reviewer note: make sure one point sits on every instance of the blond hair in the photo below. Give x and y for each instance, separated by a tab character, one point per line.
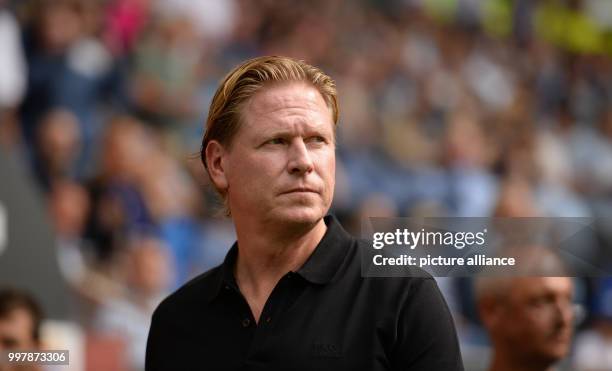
244	81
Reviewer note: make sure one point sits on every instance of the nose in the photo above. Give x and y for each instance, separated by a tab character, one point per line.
564	313
300	161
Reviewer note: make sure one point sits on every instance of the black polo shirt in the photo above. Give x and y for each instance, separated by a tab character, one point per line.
325	316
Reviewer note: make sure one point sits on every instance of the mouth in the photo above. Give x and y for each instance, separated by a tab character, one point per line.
300	190
562	337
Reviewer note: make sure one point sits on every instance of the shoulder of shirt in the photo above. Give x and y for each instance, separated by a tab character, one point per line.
194	290
399	290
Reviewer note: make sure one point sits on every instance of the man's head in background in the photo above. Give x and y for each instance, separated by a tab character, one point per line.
529	316
269	146
20	319
148	267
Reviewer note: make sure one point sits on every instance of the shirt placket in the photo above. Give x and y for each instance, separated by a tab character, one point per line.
262	343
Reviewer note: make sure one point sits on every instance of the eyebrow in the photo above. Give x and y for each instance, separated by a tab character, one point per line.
8	341
284	130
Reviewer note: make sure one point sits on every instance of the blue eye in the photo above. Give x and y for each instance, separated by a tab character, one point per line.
317	139
276	141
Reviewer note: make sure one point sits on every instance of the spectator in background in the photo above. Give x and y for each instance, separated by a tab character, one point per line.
529	316
125	21
118	205
68	67
69	205
12	75
20	319
594	346
58	142
142	187
147	273
529	320
516	199
166	65
467	154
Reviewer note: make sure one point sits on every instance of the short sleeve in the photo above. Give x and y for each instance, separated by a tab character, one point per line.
159	342
426	337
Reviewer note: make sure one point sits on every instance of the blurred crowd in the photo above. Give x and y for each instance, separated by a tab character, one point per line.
447	108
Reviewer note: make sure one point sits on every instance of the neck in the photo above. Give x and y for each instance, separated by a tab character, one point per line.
503	361
266	254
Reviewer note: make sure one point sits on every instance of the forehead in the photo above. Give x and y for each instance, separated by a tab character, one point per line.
534	286
16	323
287	103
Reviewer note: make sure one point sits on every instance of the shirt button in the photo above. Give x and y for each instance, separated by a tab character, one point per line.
269	319
227	287
246	322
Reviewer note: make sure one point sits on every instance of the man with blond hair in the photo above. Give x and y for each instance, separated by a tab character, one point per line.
290	295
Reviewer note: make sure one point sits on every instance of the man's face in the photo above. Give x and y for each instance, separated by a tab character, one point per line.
281	164
16	331
539	318
16	334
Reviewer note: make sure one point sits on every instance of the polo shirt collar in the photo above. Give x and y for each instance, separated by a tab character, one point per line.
320	267
325	260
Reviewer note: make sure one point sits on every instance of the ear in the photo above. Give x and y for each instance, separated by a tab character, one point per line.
215	161
490	312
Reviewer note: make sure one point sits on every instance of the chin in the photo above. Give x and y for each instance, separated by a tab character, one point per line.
301	215
555	354
560	351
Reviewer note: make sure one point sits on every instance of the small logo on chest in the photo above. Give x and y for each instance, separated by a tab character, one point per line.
323	350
